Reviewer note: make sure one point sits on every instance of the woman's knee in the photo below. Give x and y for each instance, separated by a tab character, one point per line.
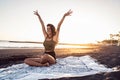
44	59
50	59
27	60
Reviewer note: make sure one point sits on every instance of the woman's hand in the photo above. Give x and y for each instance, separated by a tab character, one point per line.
36	13
68	13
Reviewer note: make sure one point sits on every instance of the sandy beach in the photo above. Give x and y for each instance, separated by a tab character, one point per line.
107	55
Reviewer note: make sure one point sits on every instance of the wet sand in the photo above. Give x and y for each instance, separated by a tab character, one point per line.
107	55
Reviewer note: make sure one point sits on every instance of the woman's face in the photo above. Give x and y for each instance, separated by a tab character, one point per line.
49	31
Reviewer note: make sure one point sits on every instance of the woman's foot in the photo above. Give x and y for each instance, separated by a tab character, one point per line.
47	64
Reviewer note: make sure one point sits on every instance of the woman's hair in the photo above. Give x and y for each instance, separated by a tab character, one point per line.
52	29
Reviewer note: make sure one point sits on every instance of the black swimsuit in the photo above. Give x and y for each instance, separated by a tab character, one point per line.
52	54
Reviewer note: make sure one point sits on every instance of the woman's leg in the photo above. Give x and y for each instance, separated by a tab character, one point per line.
35	62
49	59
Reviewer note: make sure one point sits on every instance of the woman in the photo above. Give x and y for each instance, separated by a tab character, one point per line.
51	39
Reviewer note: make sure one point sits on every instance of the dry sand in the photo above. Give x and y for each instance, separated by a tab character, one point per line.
107	55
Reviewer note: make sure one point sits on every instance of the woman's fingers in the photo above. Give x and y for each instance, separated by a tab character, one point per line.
36	12
69	13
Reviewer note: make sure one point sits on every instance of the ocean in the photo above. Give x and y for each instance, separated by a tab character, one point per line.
4	44
14	44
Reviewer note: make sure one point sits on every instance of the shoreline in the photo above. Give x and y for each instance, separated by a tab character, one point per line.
17	55
101	53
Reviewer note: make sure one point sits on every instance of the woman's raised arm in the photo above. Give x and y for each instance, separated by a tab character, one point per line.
42	23
61	21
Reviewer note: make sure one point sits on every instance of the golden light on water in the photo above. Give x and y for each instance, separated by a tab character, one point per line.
77	48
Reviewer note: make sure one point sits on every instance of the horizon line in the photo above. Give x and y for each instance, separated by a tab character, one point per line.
36	42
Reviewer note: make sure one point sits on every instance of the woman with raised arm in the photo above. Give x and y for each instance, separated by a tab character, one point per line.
51	39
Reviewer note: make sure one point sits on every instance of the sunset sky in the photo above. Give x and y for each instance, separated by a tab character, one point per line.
91	20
